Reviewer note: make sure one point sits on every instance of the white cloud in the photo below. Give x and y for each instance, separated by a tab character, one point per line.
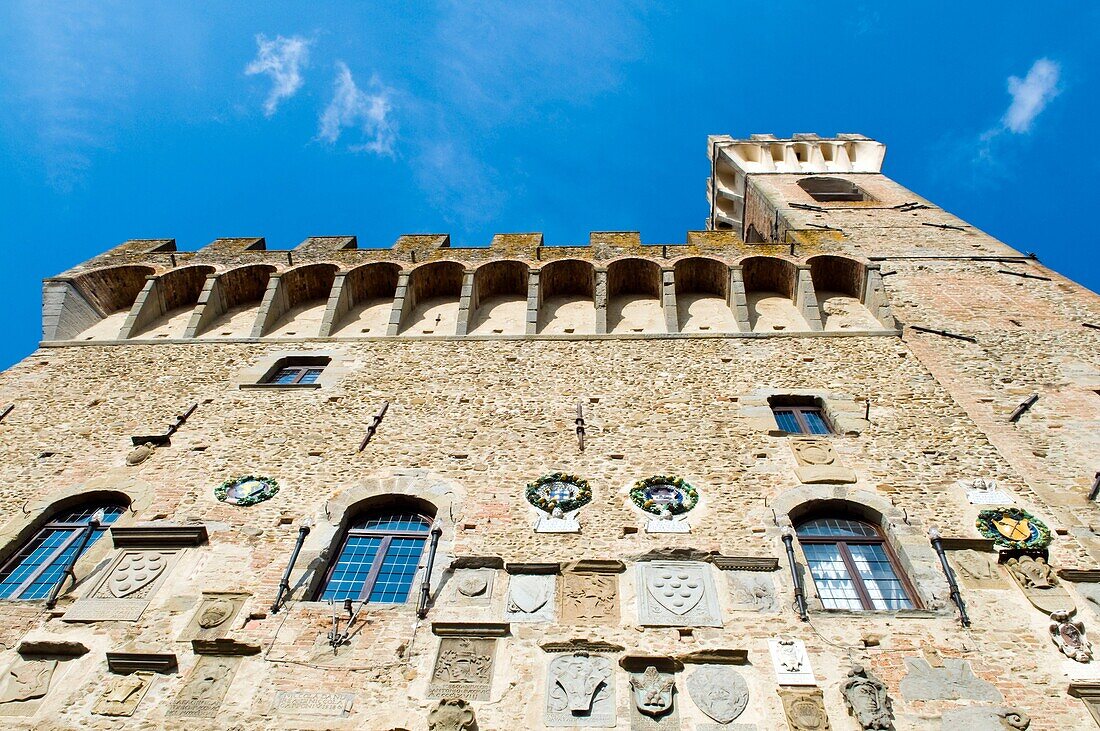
282	59
1030	95
354	109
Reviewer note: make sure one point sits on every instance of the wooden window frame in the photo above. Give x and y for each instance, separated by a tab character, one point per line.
387	537
804	428
842	543
301	369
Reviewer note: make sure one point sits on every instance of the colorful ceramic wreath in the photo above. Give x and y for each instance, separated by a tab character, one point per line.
270	487
642	496
1013	520
540	493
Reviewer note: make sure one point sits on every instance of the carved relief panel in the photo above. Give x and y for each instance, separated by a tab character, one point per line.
792	663
205	689
677	594
977	570
24	683
818	462
753	591
215	615
804	709
1039	584
866	699
718	691
580	691
474	587
589	598
463	668
653	703
125	590
123	693
530	598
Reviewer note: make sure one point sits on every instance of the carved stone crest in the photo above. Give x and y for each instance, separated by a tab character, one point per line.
977	570
792	664
139	454
580	691
202	694
1039	584
980	491
753	591
452	714
652	691
805	710
26	680
818	462
865	696
125	590
677	594
718	691
215	615
135	571
123	694
530	598
1069	636
589	597
463	668
953	680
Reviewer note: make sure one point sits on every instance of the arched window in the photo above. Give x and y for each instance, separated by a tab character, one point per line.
852	566
378	558
39	564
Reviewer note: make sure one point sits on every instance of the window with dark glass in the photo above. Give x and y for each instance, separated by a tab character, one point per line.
378	559
800	416
852	567
827	190
297	371
40	562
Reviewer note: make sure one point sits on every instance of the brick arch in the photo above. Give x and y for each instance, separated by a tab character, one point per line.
838	274
567	277
435	279
770	274
307	283
245	284
113	289
702	275
634	275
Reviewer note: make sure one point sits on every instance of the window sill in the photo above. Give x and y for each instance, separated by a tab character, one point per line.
898	613
279	386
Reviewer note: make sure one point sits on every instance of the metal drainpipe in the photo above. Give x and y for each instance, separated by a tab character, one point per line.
93	524
426	584
284	585
799	593
937	543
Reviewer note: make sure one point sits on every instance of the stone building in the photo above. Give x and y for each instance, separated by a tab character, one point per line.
620	485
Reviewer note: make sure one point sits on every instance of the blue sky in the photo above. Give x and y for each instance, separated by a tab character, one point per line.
286	120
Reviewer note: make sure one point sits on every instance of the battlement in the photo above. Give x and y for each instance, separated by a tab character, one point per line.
237	288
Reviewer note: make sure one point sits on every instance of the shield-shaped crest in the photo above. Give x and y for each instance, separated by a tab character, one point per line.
678	589
808	714
136	571
720	692
652	691
528	593
1014	529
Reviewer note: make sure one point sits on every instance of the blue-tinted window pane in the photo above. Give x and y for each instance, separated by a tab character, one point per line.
787	422
398	571
836	527
311	375
83	515
878	576
834	585
815	422
285	376
409	522
34	556
352	568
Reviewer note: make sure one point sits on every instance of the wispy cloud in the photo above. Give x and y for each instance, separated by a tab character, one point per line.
283	60
352	108
1030	95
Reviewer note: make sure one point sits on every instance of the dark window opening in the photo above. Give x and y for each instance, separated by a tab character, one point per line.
796	415
828	190
378	559
753	236
39	564
296	371
852	566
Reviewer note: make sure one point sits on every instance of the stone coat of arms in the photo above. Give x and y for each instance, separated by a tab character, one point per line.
719	692
652	691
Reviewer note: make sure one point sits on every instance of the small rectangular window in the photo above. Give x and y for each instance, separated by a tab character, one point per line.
296	371
800	416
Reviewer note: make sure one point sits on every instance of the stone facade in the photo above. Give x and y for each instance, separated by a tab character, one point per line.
676	354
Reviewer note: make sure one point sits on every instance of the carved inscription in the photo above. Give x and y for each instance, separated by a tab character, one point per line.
205	689
313	704
463	668
580	691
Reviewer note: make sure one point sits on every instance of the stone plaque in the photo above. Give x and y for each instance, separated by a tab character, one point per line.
804	709
305	703
580	691
205	688
24	684
473	587
1039	584
954	680
653	701
984	492
677	594
589	598
530	598
792	663
818	461
123	694
976	570
215	615
718	691
558	523
125	590
463	668
725	727
753	591
669	525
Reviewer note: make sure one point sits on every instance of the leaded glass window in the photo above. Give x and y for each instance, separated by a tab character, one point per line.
39	564
852	567
378	559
